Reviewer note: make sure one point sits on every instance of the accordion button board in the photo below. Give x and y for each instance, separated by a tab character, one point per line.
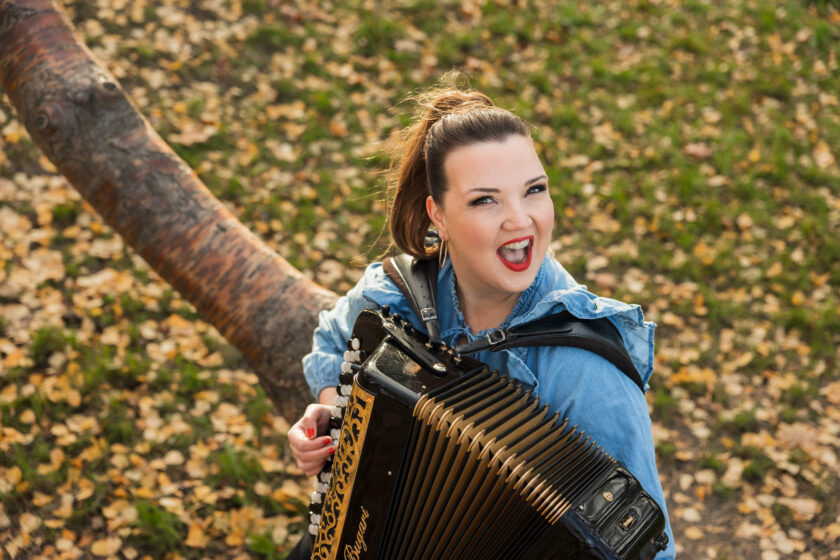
440	458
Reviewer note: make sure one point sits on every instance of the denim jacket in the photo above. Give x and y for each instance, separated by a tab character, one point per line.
582	386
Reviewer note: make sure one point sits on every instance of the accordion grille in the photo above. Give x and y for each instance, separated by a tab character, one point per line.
487	471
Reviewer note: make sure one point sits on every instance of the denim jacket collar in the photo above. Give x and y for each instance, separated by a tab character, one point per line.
552	291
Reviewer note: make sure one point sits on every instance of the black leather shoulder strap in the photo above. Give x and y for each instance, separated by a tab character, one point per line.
563	329
417	279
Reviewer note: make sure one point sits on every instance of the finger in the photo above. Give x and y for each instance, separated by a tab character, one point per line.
311	462
303	445
315	420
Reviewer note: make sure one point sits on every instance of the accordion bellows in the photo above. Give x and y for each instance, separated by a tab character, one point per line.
438	457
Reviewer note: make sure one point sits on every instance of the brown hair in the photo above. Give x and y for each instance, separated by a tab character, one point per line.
448	118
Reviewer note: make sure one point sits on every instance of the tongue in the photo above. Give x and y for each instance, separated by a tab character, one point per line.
514	255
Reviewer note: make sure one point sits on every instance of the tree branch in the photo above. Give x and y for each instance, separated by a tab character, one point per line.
78	115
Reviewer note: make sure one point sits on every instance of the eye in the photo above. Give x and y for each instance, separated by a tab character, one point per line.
533	189
481	201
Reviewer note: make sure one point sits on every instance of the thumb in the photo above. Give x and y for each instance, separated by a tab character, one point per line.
312	420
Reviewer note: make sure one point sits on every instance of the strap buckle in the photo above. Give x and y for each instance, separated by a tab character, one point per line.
495	337
428	314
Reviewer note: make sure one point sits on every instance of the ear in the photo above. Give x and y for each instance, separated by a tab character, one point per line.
433	210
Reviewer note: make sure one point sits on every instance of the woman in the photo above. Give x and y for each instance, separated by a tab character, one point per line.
470	170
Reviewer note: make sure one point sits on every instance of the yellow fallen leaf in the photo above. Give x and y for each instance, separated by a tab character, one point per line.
744	221
338	129
56	457
106	547
705	252
775	270
832	392
693	374
86	488
13	546
822	155
27	416
64	545
92	453
235	538
115	509
74	398
693	533
697	150
754	155
14	475
65	510
196	538
40	500
28	523
262	489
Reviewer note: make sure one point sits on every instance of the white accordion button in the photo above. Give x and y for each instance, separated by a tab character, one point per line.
355	343
346	390
315	498
313	529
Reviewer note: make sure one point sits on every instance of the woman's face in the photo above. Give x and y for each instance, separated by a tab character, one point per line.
496	216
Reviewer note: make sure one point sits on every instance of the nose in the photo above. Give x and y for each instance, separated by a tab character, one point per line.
517	217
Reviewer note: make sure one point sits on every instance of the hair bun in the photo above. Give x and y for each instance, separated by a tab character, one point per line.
449	101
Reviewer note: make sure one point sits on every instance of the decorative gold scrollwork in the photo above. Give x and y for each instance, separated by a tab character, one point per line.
346	461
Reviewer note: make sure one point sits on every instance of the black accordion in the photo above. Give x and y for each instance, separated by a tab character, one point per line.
439	458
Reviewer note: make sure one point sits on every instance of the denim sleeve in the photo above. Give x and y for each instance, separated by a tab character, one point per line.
322	365
608	406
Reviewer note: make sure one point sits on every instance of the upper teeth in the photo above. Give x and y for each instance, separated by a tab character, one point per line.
518	245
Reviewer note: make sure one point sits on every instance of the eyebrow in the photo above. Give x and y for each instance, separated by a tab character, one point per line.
527	183
536	180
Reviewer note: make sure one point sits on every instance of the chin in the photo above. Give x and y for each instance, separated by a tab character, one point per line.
519	283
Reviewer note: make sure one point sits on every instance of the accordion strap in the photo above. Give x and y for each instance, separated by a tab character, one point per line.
563	329
417	279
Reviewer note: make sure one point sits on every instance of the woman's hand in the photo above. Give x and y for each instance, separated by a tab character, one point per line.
308	441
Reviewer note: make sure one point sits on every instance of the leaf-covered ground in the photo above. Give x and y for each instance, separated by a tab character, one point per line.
693	152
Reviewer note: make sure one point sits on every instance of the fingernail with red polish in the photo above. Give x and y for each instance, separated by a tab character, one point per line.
310	433
332	450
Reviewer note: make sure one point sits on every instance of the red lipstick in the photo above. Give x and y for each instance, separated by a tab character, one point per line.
518	266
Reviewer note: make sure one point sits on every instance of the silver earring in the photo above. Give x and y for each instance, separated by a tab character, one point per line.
443	251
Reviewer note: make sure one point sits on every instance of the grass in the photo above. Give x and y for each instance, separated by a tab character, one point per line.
159	531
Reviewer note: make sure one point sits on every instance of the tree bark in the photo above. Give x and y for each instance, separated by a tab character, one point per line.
78	115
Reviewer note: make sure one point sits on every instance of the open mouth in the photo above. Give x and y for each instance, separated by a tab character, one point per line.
516	254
